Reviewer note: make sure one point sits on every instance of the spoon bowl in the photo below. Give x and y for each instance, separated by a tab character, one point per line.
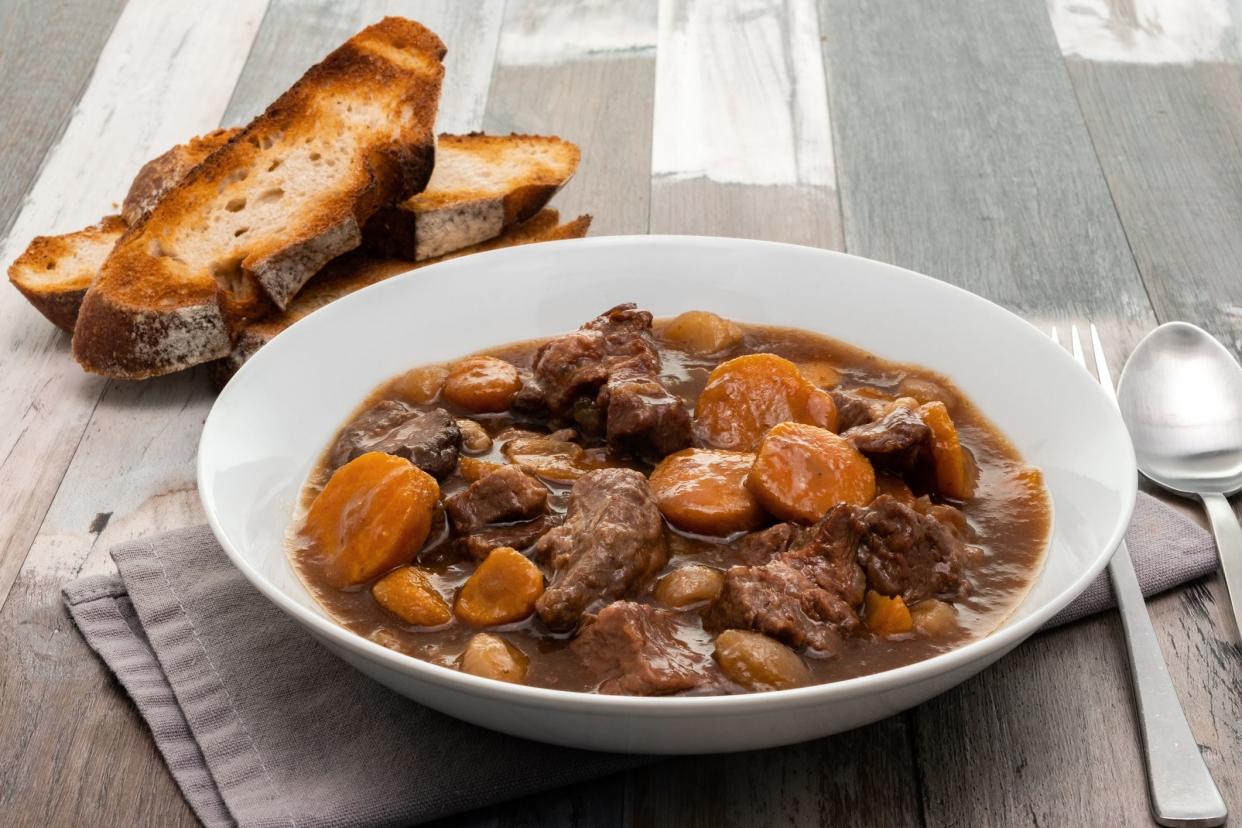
1181	397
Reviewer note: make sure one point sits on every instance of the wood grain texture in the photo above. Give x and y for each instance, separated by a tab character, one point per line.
296	35
584	71
146	435
742	144
47	52
1169	140
863	777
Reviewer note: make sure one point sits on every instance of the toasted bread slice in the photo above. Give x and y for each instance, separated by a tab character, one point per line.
357	270
159	175
481	185
249	226
55	271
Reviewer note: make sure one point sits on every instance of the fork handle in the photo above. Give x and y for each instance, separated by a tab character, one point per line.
1182	790
1229	547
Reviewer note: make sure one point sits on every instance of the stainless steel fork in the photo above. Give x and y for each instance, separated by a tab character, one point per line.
1182	790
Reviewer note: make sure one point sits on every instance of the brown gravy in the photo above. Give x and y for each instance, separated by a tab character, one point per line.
1008	514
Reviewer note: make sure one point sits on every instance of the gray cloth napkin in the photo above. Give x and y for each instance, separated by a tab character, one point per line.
262	726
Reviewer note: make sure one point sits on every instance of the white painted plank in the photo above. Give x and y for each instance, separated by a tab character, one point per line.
551	33
1149	31
163	75
740	94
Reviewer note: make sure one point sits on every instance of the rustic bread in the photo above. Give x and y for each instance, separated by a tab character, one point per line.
459	208
55	271
249	226
481	184
159	175
357	270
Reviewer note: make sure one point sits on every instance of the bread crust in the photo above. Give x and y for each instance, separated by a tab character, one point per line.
162	173
438	221
54	272
183	301
358	270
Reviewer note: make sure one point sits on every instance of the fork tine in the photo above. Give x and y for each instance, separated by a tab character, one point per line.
1101	365
1054	336
1076	347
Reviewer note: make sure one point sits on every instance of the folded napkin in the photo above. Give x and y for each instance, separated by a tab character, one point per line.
262	726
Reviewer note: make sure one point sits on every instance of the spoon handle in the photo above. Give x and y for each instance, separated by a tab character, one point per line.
1229	546
1182	790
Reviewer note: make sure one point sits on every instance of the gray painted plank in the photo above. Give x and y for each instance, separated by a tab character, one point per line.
586	72
1169	139
961	153
47	52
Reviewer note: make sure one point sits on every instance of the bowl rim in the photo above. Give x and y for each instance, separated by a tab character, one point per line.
994	644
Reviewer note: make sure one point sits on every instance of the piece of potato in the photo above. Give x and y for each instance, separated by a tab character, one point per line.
689	586
502	590
801	472
954	471
820	372
420	385
746	396
482	384
704	491
490	656
885	615
926	390
933	618
472	468
701	332
373	515
407	593
551	459
759	663
474	438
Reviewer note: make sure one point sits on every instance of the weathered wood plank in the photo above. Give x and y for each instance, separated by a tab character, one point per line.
113	131
296	35
1169	140
47	52
146	434
859	778
742	144
585	72
961	153
1161	106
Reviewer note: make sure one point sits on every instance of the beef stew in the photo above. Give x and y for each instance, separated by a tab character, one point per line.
687	506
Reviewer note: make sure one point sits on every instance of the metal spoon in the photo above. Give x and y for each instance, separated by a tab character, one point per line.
1181	397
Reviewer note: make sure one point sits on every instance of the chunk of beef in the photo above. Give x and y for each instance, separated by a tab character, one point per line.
755	548
518	536
807	596
643	414
852	409
908	553
430	439
894	437
605	377
611	542
632	649
507	494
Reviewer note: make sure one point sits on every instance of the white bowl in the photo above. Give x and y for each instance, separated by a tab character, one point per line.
279	412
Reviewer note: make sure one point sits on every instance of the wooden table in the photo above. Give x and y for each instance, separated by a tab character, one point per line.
1068	162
